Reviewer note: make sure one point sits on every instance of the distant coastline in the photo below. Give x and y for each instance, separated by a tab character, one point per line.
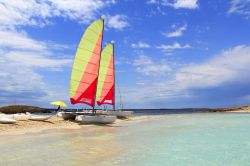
11	109
229	109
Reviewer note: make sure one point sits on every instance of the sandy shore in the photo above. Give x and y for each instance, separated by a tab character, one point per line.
22	127
91	144
32	126
241	110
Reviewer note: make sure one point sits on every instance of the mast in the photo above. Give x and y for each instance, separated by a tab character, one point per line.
113	43
93	109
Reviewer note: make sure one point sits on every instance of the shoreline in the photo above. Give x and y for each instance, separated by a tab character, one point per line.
28	126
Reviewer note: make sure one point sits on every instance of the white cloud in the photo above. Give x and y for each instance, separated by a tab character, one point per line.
34	12
23	12
83	10
231	67
22	57
241	7
151	1
15	78
177	33
147	66
36	59
19	40
188	4
117	21
20	48
140	45
22	84
170	48
177	4
13	39
19	75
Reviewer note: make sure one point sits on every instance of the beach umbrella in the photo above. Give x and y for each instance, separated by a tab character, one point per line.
59	103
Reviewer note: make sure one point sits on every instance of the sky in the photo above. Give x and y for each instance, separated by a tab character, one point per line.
168	53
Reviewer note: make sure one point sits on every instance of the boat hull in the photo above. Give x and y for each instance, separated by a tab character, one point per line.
39	117
5	120
68	115
20	117
95	119
121	114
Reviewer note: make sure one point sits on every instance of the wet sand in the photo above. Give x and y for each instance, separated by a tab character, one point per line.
63	142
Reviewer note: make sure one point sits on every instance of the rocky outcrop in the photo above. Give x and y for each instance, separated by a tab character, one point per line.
12	109
234	109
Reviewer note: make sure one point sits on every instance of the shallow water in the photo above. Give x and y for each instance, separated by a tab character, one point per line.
193	139
176	139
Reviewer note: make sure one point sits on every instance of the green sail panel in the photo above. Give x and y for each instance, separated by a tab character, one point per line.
85	68
105	86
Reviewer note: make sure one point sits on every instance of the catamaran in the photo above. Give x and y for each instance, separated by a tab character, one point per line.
93	77
85	73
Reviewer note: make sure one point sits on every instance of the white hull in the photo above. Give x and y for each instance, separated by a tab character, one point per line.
120	114
96	119
17	117
59	114
21	117
6	120
40	117
10	116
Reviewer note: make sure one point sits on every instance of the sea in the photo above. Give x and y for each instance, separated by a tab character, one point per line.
155	138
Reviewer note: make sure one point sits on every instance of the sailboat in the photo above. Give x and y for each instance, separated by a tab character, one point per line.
85	73
106	82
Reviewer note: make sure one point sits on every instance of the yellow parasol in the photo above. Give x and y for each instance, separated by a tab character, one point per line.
59	103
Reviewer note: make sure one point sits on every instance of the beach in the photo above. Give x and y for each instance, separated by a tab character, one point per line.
86	139
36	126
56	122
22	127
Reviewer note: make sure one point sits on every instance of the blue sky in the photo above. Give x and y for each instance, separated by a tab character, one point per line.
169	53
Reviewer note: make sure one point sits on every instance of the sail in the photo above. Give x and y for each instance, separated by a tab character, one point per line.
86	65
105	86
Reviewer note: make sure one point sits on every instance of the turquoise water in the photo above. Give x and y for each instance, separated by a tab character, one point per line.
177	139
195	139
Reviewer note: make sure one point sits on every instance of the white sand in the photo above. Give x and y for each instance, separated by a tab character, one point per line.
22	127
